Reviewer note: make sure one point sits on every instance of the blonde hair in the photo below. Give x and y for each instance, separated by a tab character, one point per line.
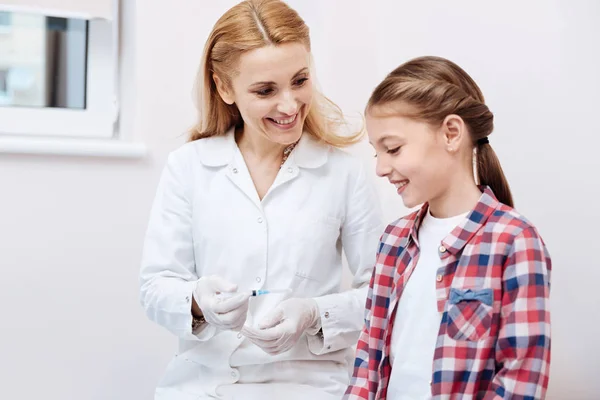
247	26
435	88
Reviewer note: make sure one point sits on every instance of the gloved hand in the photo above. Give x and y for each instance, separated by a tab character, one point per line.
222	312
280	330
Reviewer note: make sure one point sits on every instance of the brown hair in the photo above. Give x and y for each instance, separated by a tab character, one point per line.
247	26
435	88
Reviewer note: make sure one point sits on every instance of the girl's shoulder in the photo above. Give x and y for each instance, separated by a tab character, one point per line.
397	232
510	222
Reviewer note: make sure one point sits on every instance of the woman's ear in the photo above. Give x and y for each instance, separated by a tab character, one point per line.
454	132
224	91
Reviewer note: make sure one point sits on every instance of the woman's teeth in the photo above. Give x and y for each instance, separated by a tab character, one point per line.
400	184
286	121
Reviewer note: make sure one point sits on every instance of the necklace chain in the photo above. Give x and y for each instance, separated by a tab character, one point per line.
286	153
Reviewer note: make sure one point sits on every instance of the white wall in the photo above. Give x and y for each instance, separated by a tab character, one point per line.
71	229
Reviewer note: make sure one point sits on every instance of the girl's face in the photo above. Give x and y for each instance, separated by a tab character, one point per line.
273	91
417	158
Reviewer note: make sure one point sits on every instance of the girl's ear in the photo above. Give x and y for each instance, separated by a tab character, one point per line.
454	131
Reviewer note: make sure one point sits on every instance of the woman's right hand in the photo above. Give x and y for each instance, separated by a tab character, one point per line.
227	312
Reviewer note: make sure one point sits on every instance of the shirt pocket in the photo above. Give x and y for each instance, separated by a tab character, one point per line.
469	314
316	247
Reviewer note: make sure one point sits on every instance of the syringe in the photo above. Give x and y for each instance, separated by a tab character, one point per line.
256	292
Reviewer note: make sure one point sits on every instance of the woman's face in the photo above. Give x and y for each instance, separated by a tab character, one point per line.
272	90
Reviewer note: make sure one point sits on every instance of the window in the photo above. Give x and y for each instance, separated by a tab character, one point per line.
5	21
44	62
58	68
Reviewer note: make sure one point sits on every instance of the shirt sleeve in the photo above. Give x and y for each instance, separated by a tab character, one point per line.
523	346
342	313
167	275
360	386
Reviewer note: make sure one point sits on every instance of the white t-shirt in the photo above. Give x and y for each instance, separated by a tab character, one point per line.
417	320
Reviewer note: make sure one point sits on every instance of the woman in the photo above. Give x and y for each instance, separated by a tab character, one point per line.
261	198
458	307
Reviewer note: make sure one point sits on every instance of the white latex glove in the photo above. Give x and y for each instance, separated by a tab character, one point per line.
221	312
280	330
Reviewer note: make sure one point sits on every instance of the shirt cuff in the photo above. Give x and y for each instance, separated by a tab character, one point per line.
204	332
321	339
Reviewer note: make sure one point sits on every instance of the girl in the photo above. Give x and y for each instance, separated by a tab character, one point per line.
458	302
261	198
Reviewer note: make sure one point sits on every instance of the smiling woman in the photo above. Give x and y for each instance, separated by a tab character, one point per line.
260	198
262	45
272	91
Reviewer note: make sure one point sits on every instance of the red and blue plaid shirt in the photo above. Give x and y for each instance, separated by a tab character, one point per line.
492	292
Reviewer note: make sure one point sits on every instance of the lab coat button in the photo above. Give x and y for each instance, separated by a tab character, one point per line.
258	279
235	171
290	170
326	314
260	220
239	335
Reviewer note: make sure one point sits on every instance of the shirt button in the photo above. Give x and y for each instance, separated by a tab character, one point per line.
239	335
326	314
258	279
442	249
328	347
439	278
259	220
235	171
290	170
187	299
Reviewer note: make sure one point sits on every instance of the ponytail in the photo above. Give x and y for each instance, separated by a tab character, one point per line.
490	173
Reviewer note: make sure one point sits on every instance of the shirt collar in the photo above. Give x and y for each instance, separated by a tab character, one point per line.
461	234
309	152
217	151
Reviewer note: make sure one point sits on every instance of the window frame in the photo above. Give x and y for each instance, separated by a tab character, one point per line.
95	131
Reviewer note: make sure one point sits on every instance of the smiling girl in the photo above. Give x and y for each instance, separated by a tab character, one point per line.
458	303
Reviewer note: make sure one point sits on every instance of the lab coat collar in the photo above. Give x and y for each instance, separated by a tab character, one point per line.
217	151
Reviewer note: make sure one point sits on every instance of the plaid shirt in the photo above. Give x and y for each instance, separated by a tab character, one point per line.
492	292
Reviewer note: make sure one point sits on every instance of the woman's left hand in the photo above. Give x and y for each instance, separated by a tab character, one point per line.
282	327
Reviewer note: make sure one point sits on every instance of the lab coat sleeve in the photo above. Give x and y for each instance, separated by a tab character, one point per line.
342	314
167	275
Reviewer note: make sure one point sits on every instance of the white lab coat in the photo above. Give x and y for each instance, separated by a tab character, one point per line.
207	219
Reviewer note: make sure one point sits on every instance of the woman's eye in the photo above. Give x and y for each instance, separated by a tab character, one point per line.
301	81
394	150
264	92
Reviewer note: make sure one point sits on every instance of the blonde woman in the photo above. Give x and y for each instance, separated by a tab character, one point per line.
260	200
